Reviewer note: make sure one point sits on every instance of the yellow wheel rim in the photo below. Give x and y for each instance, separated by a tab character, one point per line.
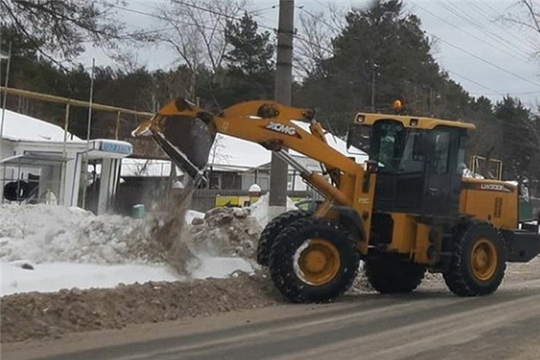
484	259
317	262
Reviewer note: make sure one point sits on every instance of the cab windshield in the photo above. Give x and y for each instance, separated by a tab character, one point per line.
390	144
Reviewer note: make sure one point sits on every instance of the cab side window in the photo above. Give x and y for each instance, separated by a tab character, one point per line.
441	157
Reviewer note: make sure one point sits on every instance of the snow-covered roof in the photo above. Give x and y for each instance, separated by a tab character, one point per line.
230	152
337	143
19	127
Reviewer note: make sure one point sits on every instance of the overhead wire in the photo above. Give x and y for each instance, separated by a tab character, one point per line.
301	38
517	41
464	31
474	82
485	61
459	13
476	6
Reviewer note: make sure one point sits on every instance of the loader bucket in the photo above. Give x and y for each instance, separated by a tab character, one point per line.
186	140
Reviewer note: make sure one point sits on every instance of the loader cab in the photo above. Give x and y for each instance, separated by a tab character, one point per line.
419	162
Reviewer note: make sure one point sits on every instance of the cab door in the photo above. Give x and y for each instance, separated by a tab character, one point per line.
444	172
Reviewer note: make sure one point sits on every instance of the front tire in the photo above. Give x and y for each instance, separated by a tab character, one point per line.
314	260
392	274
273	229
478	261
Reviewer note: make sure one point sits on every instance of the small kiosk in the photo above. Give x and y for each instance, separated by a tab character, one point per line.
40	163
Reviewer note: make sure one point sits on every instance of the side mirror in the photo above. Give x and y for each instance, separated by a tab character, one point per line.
421	146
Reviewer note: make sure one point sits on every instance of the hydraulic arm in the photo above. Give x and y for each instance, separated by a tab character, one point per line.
186	133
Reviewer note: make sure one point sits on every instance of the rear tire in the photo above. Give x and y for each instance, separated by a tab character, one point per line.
392	274
478	261
273	229
314	260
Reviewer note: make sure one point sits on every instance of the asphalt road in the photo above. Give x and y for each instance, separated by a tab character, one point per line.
431	324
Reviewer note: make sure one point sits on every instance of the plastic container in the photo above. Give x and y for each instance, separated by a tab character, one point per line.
138	211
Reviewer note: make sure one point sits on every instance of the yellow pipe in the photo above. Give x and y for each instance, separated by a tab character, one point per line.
72	102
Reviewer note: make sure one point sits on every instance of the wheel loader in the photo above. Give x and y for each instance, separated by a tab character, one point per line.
405	211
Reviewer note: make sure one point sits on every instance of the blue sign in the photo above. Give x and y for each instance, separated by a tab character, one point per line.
115	147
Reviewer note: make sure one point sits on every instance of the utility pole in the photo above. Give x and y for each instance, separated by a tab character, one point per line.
374	68
282	94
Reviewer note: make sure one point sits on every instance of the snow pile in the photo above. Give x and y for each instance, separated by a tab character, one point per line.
44	234
232	231
48	248
259	210
226	232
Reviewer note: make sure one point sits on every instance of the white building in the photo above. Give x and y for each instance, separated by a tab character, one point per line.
37	164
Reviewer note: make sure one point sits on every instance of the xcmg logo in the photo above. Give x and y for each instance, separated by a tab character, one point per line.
281	128
493	187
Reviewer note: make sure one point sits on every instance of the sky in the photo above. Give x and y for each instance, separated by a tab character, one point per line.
474	41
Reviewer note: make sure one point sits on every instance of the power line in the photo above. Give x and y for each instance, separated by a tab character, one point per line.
333	27
215	12
483	12
499	36
474	82
156	16
330	51
472	21
256	11
460	29
495	37
485	61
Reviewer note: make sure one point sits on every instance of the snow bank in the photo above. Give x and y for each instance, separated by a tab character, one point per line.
70	247
56	276
42	233
260	209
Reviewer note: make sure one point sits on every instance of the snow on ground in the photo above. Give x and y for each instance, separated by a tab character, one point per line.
70	247
56	276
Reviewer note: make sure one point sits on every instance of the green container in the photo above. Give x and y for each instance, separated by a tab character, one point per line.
138	211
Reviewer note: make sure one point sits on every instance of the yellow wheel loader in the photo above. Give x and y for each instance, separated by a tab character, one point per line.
404	211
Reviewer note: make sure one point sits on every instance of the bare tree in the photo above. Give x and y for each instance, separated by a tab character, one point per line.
525	15
314	38
533	21
196	32
59	28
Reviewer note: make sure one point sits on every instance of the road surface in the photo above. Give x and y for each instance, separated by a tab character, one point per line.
430	324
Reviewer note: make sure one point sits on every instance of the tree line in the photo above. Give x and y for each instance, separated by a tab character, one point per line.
363	60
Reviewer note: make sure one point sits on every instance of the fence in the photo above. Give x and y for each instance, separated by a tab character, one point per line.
146	191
